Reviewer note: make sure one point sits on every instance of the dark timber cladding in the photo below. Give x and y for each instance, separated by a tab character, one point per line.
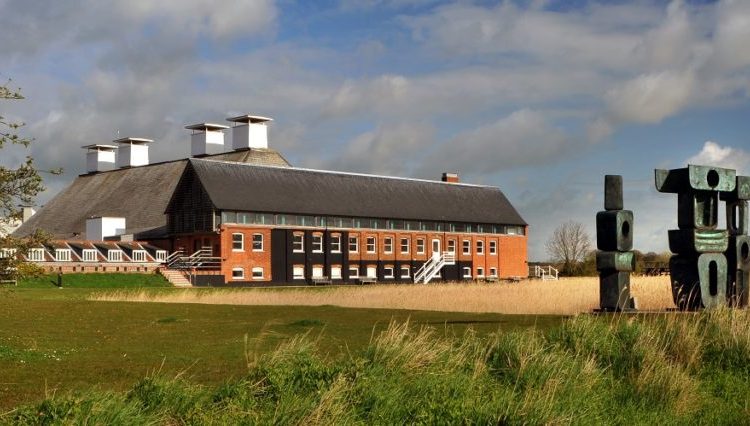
243	187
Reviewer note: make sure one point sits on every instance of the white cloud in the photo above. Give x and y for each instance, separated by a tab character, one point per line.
650	98
713	154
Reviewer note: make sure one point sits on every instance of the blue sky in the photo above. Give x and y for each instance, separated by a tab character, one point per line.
541	98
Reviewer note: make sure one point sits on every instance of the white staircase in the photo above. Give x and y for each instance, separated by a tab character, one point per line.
546	273
176	277
433	266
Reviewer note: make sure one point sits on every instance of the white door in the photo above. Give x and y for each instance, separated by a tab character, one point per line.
436	248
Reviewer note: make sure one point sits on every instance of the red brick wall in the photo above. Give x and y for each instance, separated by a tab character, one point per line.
245	258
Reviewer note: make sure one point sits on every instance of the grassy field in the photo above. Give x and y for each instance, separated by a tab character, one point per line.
567	296
94	281
649	369
53	341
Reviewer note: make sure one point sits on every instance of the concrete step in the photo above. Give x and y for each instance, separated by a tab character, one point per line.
176	278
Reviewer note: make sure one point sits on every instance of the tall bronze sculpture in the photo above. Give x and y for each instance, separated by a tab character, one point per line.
708	268
614	239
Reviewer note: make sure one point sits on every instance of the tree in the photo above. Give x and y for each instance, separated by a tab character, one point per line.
569	245
18	186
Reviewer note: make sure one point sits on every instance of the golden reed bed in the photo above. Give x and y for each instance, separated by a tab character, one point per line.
566	296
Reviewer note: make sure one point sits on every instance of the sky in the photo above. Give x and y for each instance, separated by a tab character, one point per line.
540	98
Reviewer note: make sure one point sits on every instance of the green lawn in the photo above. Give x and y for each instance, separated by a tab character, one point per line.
103	280
55	341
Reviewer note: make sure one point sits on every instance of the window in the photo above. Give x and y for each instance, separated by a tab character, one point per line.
298	243
388	271
317	271
480	247
62	255
372	271
238	273
405	272
480	272
335	243
493	247
7	252
451	246
317	243
161	255
404	245
493	272
467	246
257	242
353	244
466	272
114	255
89	255
139	255
36	255
370	244
257	273
353	271
298	272
335	272
387	245
420	246
238	242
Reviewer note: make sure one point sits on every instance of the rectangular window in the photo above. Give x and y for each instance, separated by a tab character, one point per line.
353	271
257	242
353	245
404	245
89	255
493	272
480	272
298	243
451	246
317	271
6	253
62	255
372	271
238	242
466	272
317	243
405	272
467	246
114	255
335	272
257	273
161	255
238	273
139	255
36	255
371	244
387	245
336	243
493	247
480	247
388	271
420	246
298	272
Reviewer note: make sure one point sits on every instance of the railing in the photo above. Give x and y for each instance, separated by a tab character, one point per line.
433	266
173	258
546	273
201	259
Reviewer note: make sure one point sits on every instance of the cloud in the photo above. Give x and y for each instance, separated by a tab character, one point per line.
650	98
713	154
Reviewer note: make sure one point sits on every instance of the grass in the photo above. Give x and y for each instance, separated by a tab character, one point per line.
567	296
647	369
103	280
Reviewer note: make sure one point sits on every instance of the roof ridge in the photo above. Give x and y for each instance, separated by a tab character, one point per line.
336	172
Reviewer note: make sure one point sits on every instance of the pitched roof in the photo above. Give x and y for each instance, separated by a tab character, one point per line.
139	194
235	186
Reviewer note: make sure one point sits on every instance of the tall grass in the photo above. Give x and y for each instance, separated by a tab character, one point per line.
657	369
566	296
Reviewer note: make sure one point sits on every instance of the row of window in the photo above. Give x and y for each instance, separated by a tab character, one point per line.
87	255
239	273
298	272
238	242
250	218
298	245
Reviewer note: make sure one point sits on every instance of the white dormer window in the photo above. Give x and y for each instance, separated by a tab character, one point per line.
114	255
161	255
7	252
62	255
89	255
139	255
36	255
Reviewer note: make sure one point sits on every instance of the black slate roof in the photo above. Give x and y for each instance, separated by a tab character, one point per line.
139	194
243	187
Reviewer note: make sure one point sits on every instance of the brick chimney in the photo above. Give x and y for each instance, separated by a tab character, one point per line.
450	177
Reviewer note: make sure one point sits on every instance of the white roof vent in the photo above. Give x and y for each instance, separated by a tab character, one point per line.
133	152
99	158
98	228
207	138
250	131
